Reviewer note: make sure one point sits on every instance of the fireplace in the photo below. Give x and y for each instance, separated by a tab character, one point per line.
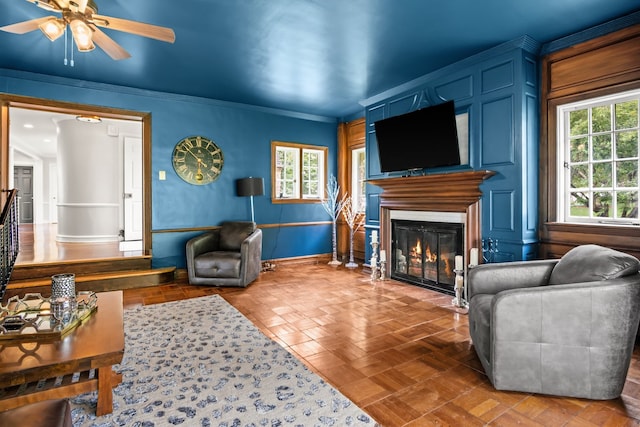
452	199
423	253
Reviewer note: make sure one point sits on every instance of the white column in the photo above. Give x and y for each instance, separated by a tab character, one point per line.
88	195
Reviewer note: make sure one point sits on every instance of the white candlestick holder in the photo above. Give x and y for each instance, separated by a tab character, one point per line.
374	261
459	300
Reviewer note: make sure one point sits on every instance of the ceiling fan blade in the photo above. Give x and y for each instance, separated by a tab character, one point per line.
139	28
25	27
106	43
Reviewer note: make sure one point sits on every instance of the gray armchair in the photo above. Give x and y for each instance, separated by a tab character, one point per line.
227	256
563	327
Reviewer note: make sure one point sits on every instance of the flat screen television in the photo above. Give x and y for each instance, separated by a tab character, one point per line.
422	139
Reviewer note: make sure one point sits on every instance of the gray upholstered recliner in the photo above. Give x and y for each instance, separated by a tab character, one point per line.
227	256
563	327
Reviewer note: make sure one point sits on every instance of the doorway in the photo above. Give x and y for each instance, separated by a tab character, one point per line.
23	146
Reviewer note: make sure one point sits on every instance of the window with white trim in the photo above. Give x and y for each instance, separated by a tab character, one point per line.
598	160
299	172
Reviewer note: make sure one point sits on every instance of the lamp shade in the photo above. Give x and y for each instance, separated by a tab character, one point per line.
250	186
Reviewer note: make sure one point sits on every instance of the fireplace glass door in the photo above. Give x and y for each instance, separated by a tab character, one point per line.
423	253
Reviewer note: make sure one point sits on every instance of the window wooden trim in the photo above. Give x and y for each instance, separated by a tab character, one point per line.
300	147
587	70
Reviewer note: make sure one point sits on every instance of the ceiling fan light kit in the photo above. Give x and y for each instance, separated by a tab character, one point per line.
82	35
83	20
53	28
89	119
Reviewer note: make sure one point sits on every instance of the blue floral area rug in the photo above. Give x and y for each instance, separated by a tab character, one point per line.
200	362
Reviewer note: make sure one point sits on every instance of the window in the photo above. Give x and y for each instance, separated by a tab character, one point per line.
598	160
299	172
358	176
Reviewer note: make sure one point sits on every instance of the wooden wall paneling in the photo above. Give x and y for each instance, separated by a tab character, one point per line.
606	61
351	135
601	66
343	167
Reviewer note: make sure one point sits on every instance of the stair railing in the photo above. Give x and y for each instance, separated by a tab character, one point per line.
9	243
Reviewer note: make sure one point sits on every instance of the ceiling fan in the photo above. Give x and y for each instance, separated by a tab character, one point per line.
82	18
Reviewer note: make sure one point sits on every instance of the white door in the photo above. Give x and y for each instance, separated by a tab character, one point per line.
132	189
53	193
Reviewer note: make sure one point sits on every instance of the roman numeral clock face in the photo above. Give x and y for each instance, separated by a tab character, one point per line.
197	160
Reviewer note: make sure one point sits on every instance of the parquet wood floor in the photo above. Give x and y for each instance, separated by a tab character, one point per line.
38	245
400	352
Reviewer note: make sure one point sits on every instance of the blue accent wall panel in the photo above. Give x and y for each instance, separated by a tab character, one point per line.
285	242
459	89
497	132
531	72
374	114
278	242
530	164
497	77
372	215
373	207
404	104
372	158
499	90
164	253
502	211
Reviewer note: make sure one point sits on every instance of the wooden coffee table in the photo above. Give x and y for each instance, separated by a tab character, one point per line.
78	363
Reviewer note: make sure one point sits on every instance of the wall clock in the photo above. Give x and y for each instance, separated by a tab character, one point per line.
197	160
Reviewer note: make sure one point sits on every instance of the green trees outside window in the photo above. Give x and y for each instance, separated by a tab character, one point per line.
601	160
298	171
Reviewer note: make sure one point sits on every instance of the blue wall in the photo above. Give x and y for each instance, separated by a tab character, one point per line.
244	134
498	88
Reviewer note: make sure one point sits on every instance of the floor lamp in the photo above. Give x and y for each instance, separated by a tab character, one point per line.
250	187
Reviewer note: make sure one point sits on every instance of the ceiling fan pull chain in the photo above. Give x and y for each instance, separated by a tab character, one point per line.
65	45
72	63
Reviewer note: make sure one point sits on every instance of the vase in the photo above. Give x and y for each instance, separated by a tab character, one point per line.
63	309
63	285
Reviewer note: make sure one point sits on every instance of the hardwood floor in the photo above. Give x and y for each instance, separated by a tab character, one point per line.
38	245
400	352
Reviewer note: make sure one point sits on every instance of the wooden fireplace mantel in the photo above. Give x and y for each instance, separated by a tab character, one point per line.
452	192
446	192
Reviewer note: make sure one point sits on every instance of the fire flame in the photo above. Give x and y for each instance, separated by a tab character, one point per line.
447	267
428	256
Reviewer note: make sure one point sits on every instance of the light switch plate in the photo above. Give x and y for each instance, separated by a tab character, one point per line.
162	175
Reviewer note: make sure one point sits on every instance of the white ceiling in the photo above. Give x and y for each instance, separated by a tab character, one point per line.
40	140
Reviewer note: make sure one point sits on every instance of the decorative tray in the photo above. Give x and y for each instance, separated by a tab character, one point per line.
32	317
